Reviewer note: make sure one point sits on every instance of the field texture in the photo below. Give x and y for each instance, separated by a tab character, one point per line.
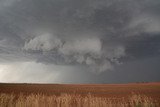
82	95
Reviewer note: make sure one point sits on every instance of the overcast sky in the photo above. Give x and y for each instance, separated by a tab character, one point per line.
79	41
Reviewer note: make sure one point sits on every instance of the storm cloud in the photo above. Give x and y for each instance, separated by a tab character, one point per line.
91	38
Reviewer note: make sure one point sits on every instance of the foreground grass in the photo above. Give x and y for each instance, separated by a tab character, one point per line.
74	100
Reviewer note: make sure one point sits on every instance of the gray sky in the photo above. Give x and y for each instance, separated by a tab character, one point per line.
79	41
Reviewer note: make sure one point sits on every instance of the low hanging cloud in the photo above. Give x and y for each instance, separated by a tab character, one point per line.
82	46
87	35
44	42
86	51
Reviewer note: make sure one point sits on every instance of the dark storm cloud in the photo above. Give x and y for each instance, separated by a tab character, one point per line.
94	34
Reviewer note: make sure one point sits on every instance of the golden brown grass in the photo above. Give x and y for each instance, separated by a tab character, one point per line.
80	95
74	100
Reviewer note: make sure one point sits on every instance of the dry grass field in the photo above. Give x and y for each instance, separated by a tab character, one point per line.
81	95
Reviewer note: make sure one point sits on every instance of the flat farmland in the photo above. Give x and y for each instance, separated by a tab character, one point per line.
101	90
104	91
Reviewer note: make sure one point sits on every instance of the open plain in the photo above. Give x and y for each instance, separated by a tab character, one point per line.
80	95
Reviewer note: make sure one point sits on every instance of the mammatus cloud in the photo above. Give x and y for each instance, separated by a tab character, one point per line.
82	50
